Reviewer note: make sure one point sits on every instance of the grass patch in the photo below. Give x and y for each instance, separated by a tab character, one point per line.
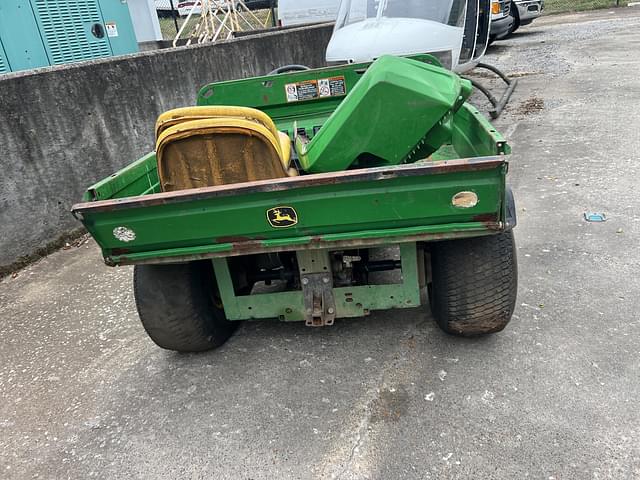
168	25
562	6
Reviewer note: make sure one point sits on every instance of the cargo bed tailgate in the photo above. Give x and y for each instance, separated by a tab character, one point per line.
336	210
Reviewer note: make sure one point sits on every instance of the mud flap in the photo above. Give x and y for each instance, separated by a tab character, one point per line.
511	217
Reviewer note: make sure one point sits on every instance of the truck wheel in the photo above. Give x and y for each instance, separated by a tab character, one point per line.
516	19
177	306
474	284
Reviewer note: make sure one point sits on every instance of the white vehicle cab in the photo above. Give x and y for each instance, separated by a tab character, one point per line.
299	12
456	31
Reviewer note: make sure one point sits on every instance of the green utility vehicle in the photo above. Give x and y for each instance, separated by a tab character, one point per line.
314	195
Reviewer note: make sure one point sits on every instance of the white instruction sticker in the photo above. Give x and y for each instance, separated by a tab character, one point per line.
313	89
112	29
292	92
324	89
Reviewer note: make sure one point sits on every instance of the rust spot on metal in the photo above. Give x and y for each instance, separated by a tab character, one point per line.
236	239
485	217
248	247
120	251
257	246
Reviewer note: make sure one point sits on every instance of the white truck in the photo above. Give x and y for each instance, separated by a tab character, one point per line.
509	15
526	11
300	12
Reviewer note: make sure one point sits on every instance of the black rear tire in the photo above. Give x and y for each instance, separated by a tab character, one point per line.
178	307
474	284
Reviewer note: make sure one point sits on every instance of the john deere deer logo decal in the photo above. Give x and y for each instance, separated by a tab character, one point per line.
280	217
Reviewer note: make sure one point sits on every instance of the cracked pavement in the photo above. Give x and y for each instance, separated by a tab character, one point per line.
85	394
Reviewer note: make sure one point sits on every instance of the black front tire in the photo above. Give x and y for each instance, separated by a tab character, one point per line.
178	307
474	284
516	19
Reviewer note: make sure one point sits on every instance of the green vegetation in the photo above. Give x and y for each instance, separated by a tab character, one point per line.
168	26
560	6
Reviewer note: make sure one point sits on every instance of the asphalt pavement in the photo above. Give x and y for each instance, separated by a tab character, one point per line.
85	394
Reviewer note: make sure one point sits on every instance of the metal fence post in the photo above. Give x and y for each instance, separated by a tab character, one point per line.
174	15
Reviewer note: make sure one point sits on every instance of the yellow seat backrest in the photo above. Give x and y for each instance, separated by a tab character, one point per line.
178	115
219	150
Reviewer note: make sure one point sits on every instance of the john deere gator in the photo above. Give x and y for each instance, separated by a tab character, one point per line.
311	196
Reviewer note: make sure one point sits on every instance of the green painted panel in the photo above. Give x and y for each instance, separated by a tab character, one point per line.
400	109
351	302
138	178
474	136
288	306
383	203
367	238
269	94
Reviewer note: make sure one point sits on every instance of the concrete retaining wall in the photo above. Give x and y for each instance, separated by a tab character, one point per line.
63	128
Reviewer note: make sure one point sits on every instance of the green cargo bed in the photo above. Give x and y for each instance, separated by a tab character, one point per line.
133	222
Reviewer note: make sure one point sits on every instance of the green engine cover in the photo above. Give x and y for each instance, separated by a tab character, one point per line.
401	110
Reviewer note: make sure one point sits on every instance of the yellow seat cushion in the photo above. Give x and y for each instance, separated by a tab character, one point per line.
285	149
219	151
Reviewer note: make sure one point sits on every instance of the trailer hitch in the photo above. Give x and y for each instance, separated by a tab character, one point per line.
319	303
316	278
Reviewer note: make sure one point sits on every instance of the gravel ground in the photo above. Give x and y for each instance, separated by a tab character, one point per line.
84	393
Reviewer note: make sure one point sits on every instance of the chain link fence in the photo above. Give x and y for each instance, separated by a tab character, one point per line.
173	13
170	18
560	6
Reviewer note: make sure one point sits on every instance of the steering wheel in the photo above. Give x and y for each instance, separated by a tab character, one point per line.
289	68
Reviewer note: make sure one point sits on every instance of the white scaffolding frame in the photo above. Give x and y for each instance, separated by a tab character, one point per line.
219	19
